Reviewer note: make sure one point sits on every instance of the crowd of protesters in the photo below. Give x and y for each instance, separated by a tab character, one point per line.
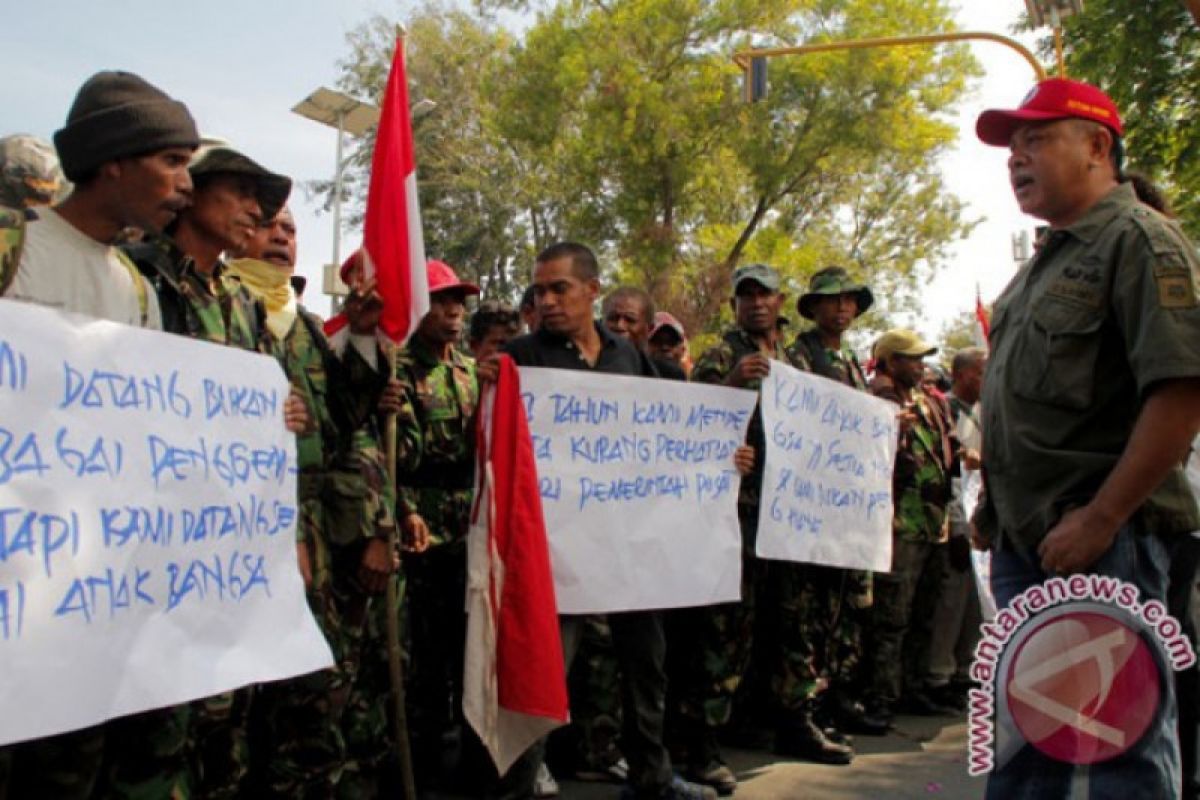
1076	420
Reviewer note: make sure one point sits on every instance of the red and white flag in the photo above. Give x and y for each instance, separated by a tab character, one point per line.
393	247
982	316
514	684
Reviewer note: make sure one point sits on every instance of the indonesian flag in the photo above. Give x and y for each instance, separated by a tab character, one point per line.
393	247
514	684
981	314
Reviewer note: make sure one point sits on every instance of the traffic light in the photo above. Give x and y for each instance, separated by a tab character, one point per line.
756	79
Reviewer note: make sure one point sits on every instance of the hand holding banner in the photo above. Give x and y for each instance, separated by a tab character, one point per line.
147	523
638	488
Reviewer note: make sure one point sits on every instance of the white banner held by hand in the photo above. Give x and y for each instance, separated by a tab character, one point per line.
827	482
638	486
147	523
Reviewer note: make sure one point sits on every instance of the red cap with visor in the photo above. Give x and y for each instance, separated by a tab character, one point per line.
1053	98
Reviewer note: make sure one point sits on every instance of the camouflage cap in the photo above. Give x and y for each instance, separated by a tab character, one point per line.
30	174
901	342
833	281
216	156
766	276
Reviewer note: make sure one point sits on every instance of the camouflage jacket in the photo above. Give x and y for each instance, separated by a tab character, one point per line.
925	463
714	366
807	353
216	308
341	462
439	483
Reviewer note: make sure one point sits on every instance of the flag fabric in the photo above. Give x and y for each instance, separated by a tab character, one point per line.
981	314
394	248
336	324
514	683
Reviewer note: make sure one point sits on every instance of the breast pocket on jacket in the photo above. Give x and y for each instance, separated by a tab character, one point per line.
1056	364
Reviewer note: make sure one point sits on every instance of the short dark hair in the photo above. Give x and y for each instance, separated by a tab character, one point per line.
492	313
966	358
528	298
583	260
632	293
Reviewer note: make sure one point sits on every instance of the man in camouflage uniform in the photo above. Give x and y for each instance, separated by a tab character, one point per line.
203	744
440	383
926	460
29	173
831	603
298	746
128	169
726	635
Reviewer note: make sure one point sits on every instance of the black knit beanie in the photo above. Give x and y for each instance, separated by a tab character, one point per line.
118	114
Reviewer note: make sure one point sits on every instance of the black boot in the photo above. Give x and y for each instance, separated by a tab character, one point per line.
852	716
800	737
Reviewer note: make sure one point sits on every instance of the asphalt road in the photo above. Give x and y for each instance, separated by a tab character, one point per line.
924	757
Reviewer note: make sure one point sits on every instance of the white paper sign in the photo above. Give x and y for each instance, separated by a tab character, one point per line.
638	488
147	523
827	483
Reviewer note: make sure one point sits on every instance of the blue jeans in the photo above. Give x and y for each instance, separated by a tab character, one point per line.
1151	768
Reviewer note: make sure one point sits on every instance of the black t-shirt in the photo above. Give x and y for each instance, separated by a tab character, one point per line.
545	349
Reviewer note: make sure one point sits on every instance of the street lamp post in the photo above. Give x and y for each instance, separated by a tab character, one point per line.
344	114
1051	12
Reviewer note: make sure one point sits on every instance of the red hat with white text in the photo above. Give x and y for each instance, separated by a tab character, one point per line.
1051	99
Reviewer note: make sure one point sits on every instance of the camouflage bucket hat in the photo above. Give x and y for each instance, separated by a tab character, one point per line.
29	173
833	281
215	157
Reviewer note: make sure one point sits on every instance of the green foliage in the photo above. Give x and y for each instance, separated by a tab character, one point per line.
957	334
620	123
1146	55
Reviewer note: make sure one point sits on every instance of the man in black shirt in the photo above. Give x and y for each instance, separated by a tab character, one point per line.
566	284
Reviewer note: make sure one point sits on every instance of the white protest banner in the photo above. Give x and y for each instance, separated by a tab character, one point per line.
147	523
827	482
639	489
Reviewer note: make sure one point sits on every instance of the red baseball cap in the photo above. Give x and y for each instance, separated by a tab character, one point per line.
1053	98
442	279
350	263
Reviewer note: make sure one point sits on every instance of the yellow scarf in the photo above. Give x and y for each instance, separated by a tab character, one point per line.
270	284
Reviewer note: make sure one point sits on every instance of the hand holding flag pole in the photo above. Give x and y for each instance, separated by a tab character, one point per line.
393	255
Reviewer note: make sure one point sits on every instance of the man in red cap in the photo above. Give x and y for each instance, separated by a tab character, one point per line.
1090	400
669	341
441	386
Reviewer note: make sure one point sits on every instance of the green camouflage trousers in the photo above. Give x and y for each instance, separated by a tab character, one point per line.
297	746
809	630
146	756
366	722
65	766
589	743
219	743
708	655
901	620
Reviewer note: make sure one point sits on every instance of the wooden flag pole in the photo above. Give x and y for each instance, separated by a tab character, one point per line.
392	598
